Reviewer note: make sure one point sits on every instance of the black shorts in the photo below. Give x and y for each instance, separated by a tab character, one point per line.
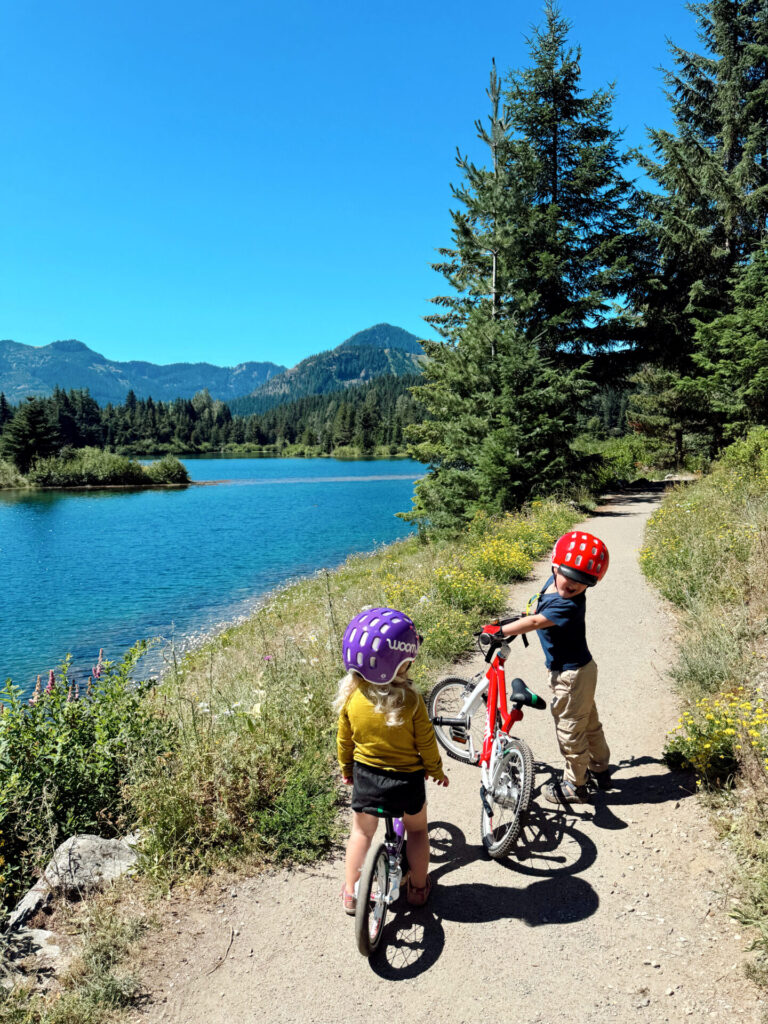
379	791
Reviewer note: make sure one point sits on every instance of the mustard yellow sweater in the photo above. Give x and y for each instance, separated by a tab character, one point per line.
364	736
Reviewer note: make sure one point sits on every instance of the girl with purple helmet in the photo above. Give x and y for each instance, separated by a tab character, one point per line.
386	743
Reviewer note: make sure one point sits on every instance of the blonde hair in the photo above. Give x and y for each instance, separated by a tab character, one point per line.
388	699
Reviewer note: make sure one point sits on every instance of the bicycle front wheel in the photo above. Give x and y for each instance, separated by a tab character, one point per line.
463	742
509	799
372	893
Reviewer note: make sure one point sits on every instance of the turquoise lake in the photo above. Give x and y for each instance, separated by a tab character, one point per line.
82	570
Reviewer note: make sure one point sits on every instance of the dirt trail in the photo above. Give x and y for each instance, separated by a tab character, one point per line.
610	911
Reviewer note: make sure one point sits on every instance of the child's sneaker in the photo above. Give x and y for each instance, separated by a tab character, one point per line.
603	780
349	901
417	895
564	792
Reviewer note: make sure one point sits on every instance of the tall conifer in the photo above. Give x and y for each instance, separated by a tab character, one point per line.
712	172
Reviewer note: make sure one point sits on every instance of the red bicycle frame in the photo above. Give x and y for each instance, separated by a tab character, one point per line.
497	701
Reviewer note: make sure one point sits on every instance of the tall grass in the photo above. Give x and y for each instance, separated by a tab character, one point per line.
97	982
707	552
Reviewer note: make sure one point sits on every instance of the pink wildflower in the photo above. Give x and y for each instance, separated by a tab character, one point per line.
36	694
77	691
51	682
96	670
267	657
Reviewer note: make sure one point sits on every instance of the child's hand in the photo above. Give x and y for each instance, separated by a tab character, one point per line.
347	780
440	782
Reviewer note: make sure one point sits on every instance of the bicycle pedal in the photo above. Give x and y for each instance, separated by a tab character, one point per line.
459	734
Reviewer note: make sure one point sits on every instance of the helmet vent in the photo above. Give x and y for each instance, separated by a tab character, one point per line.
376	643
359	658
384	628
352	635
364	639
372	661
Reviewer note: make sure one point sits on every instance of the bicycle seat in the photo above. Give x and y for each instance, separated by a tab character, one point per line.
520	694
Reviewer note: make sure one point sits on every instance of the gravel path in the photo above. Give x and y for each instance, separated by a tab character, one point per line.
609	912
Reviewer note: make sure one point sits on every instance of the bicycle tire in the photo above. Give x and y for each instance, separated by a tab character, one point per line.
372	892
446	698
515	780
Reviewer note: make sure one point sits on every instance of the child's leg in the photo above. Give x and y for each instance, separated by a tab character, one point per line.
363	831
599	754
418	846
573	709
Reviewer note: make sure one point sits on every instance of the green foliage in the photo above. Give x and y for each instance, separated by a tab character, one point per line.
749	454
499	560
30	435
499	426
92	467
10	476
709	738
710	210
167	470
732	354
65	758
468	589
543	233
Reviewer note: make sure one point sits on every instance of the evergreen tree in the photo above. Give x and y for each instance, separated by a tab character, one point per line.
499	423
712	170
6	413
732	356
544	233
29	435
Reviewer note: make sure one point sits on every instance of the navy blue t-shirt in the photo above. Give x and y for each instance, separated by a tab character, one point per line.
565	643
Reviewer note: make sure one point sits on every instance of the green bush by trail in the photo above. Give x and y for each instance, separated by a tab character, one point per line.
65	758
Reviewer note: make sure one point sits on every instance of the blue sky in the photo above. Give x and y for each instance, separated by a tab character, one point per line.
237	181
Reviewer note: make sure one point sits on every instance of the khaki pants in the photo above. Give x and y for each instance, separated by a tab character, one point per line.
579	732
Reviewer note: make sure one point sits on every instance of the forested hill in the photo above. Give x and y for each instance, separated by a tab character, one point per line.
28	370
375	352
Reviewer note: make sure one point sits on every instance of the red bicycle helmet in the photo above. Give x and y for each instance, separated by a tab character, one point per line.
581	557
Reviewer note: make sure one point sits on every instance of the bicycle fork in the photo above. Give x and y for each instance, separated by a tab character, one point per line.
492	781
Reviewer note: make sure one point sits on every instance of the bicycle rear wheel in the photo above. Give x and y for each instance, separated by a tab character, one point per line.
509	800
465	742
372	893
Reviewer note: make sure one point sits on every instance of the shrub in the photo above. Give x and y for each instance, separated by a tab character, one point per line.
66	756
86	467
499	560
10	476
468	590
710	738
167	470
749	454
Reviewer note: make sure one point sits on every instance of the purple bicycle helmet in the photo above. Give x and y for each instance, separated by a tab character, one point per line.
377	642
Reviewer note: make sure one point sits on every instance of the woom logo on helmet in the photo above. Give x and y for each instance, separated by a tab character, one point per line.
400	645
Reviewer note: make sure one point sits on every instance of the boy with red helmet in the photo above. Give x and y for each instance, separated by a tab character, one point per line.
579	560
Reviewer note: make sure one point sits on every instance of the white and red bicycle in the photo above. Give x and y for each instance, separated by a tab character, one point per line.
472	722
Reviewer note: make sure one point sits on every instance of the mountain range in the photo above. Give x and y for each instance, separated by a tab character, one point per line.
374	352
29	370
